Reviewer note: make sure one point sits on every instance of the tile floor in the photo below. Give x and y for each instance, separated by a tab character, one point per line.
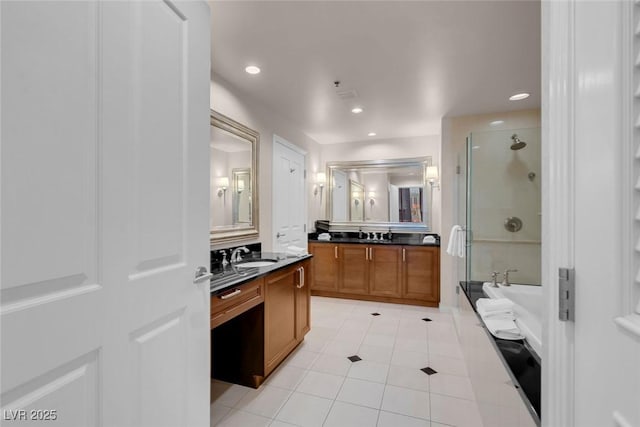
317	385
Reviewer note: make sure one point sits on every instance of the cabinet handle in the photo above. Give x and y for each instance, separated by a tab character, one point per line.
230	294
404	258
301	281
366	254
335	251
370	254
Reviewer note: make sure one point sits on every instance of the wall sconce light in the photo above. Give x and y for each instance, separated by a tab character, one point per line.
372	196
321	179
240	188
432	176
223	184
356	197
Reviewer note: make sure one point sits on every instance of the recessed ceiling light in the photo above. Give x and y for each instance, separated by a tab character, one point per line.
496	122
252	69
519	96
371	134
356	110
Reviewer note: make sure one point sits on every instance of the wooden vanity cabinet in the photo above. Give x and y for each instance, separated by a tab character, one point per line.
286	313
251	338
385	271
388	273
303	303
324	266
354	269
421	273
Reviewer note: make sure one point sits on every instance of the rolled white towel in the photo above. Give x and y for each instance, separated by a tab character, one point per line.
429	239
324	236
490	305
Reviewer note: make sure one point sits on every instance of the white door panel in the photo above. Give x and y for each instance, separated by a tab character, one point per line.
105	211
339	196
289	201
590	366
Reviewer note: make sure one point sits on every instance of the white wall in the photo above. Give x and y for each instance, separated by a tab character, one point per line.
454	133
241	107
398	148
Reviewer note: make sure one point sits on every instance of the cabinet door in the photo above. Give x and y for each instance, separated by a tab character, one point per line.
279	316
354	269
421	273
385	271
324	267
303	302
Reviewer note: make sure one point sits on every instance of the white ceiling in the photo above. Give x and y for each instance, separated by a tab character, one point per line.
411	63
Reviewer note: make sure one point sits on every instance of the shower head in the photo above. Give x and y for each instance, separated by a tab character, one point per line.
517	143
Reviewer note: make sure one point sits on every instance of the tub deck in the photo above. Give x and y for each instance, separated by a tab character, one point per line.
518	356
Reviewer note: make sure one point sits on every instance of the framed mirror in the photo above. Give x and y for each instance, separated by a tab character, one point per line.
390	193
234	168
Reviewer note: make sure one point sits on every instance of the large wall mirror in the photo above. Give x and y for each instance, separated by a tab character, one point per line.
234	168
380	193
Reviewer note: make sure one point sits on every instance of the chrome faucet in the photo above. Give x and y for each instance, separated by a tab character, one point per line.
236	256
224	258
494	278
505	278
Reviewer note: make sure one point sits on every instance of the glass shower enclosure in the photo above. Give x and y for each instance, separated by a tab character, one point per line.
503	205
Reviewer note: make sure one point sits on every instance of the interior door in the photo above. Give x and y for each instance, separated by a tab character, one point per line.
590	223
104	193
289	202
394	203
339	197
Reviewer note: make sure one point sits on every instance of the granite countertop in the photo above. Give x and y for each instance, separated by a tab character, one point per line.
397	239
231	276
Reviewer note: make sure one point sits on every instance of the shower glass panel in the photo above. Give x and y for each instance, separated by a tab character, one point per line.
503	212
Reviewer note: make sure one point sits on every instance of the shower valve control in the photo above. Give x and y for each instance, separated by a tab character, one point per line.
566	298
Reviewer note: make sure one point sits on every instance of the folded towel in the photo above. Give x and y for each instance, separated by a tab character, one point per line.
296	251
456	246
324	236
491	305
503	315
503	328
429	239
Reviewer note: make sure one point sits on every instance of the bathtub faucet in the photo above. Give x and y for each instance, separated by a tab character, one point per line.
505	278
494	278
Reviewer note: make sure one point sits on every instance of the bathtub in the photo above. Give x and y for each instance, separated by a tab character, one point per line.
527	309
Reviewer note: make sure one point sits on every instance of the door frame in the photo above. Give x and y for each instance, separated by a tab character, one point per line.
283	142
558	206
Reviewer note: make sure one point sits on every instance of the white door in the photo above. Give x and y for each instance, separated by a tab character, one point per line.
591	371
104	175
339	196
394	203
289	201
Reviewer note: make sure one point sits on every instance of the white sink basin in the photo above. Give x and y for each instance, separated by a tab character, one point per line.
256	263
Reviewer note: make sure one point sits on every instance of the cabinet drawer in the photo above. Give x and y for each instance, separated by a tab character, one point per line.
235	301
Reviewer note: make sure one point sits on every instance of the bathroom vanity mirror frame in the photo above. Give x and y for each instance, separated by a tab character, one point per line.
408	227
235	232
